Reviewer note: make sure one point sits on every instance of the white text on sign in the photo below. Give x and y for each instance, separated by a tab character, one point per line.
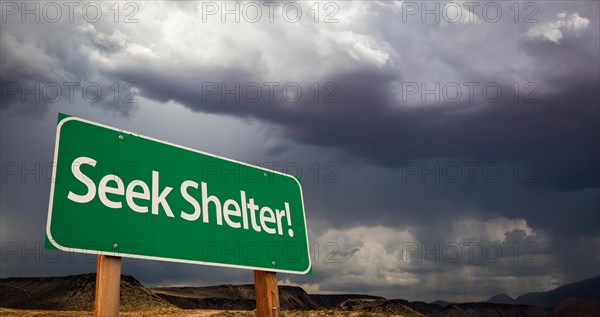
244	213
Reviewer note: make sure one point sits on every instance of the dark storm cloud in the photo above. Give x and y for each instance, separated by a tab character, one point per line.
369	121
41	65
368	117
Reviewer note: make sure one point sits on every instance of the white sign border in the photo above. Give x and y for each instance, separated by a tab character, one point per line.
147	257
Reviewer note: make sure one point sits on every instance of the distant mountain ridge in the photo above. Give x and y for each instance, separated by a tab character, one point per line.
442	303
585	289
501	299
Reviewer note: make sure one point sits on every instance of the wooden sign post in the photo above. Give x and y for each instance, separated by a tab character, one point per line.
108	285
267	294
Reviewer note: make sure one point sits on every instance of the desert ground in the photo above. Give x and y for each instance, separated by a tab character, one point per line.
9	312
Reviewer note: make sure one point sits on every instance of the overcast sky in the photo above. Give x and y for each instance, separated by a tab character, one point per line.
447	150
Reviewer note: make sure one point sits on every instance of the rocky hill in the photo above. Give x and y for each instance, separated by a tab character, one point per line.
571	307
565	308
239	297
75	292
489	310
330	301
380	306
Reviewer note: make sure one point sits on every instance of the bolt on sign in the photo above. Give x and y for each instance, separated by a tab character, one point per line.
123	194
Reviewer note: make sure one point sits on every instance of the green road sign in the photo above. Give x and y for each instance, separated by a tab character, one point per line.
119	193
